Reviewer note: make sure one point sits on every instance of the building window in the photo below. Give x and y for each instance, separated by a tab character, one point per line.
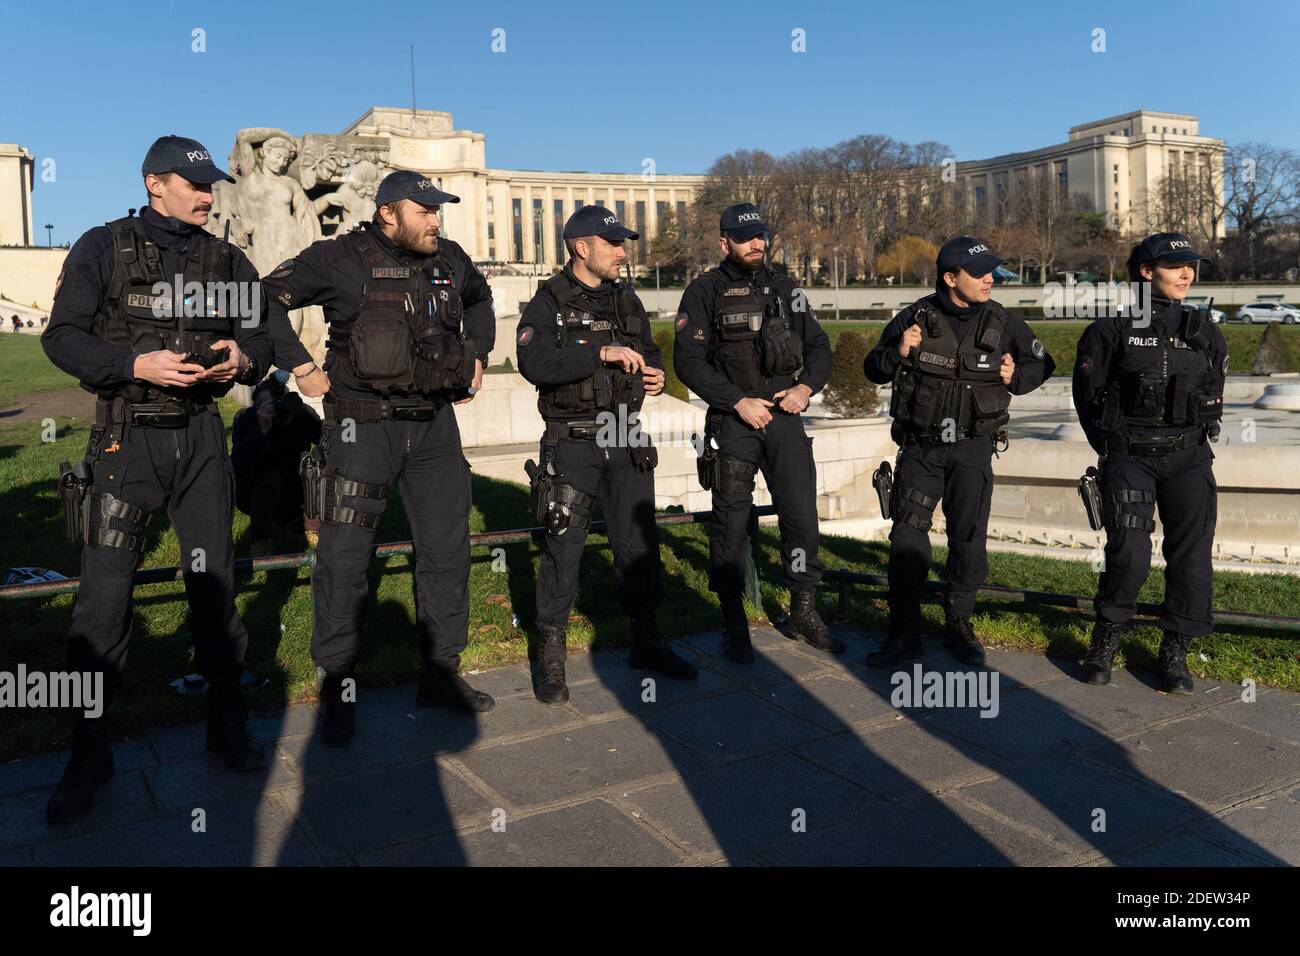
681	217
492	231
539	254
517	218
620	210
559	230
660	207
490	210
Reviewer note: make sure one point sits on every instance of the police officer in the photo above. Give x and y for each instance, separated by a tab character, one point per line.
584	340
955	358
157	351
410	328
1149	393
749	345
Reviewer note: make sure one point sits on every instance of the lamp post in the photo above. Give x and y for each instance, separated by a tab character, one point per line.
49	235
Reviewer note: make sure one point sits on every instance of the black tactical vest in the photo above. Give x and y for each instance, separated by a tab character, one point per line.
1161	379
752	336
135	315
581	319
948	383
406	338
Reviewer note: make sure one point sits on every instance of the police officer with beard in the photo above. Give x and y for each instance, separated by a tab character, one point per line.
410	328
955	358
1149	394
749	345
584	340
127	323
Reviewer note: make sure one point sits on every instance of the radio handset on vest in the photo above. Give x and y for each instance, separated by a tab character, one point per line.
1196	324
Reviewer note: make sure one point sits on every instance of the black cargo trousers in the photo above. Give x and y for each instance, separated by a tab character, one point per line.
960	474
1181	484
188	470
783	453
425	460
626	495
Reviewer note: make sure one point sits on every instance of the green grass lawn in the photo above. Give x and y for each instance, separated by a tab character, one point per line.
276	606
24	369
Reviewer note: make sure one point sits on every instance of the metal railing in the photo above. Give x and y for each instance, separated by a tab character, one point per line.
844	580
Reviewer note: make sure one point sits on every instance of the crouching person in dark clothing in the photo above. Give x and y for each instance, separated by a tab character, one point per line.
268	441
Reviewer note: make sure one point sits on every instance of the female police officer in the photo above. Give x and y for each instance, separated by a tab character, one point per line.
1149	392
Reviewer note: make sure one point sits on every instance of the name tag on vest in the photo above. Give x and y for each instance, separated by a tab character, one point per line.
744	291
390	272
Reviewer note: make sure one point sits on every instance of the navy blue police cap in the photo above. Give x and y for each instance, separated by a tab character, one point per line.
742	221
408	184
597	221
187	157
969	253
1168	247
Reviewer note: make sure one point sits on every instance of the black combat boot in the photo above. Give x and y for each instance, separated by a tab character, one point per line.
902	646
651	652
339	722
959	637
227	734
551	651
1174	676
1101	654
444	687
807	625
736	645
89	767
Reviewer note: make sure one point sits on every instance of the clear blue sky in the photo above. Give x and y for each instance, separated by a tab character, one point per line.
92	84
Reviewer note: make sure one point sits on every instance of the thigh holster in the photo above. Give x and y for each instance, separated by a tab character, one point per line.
333	490
732	476
1126	517
566	507
912	506
112	523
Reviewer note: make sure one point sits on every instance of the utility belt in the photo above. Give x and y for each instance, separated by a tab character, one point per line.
363	412
171	413
1000	439
645	456
578	431
1153	447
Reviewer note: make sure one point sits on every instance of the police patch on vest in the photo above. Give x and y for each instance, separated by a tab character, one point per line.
682	317
699	335
283	269
933	358
737	291
159	304
601	325
390	272
1037	349
525	335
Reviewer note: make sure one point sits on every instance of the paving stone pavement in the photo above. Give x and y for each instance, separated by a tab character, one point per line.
800	759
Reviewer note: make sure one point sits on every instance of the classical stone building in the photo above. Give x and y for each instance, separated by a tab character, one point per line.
16	168
1116	163
510	216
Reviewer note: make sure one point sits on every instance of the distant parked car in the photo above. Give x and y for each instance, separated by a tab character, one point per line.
1269	312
